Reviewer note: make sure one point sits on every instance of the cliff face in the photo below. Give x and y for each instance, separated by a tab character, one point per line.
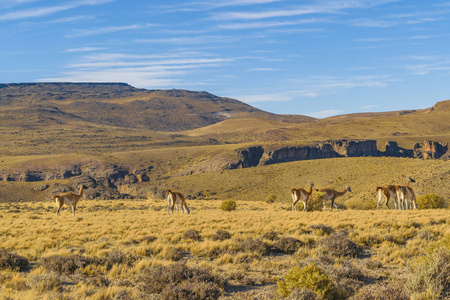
329	149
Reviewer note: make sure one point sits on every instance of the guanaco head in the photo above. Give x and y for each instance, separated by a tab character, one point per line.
410	180
348	189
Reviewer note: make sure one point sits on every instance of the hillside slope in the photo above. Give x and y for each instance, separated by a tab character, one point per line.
119	105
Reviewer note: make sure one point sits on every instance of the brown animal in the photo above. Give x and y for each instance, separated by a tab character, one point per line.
406	195
176	198
331	194
69	199
299	194
387	192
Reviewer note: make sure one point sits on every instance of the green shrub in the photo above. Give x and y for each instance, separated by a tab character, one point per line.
315	202
228	205
271	198
430	201
309	277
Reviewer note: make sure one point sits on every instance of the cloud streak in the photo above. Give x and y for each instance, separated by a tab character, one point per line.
45	11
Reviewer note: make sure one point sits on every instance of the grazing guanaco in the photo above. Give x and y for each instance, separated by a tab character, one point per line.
406	195
299	194
176	198
331	194
387	192
69	199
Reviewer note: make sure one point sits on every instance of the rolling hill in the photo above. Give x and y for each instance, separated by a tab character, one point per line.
57	133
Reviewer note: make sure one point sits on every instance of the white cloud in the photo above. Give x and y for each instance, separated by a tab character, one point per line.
253	25
192	40
109	29
323	7
84	49
325	113
44	11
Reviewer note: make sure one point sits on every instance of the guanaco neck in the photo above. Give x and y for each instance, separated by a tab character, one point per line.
80	193
310	189
341	193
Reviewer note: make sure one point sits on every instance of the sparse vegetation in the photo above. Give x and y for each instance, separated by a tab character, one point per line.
238	255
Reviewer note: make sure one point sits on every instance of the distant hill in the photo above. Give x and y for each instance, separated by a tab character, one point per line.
120	105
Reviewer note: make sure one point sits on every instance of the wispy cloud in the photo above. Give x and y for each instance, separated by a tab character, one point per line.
49	10
109	29
253	25
85	49
323	7
192	40
147	71
210	5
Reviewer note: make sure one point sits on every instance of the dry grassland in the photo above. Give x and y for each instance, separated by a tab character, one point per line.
116	243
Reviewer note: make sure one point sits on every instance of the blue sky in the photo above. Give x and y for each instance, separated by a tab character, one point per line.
316	58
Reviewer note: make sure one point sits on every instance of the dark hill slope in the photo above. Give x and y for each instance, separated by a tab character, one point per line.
120	105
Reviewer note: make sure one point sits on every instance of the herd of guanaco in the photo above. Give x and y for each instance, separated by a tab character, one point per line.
403	197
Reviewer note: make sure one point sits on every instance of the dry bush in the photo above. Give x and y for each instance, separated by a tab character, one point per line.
288	245
116	257
255	246
221	235
174	254
271	236
148	239
391	291
177	281
192	234
321	229
430	275
339	244
12	261
302	294
65	264
45	282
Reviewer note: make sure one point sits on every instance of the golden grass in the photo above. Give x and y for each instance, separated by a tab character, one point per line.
32	230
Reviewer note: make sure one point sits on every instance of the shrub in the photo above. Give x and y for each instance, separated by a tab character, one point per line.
339	244
12	261
192	234
315	202
178	281
255	246
116	257
221	235
309	277
45	282
288	245
430	201
430	276
392	291
65	265
271	198
321	229
271	236
228	205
